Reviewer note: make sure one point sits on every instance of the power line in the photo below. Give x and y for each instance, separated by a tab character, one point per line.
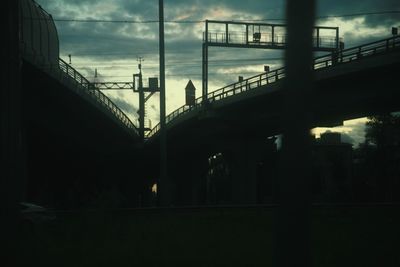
340	16
106	21
360	14
201	21
178	75
172	53
195	68
186	63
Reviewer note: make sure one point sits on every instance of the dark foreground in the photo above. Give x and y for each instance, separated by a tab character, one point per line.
342	236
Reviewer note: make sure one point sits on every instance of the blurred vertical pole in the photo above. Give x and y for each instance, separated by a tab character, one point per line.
293	246
164	194
12	134
205	65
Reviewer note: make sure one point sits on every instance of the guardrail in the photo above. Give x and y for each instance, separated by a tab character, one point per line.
96	94
82	84
220	37
332	59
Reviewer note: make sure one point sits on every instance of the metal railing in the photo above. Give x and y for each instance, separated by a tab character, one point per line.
86	87
332	59
82	85
219	37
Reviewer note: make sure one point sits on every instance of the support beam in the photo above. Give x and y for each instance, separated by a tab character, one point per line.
243	162
205	64
226	33
141	105
273	34
205	72
337	39
262	43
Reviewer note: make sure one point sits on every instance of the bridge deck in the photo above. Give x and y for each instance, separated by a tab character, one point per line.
326	62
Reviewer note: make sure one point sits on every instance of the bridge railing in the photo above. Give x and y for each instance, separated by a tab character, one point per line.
357	52
334	58
220	37
96	94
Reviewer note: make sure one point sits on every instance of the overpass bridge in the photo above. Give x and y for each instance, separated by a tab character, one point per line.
78	142
357	61
238	119
78	137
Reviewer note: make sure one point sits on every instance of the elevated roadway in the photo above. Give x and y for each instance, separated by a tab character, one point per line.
237	120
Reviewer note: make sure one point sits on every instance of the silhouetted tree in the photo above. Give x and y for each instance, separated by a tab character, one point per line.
383	131
382	142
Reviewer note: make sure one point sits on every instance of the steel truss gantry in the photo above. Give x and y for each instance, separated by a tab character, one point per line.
145	92
258	35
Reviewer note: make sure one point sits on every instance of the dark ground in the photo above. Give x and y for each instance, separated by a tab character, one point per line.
341	236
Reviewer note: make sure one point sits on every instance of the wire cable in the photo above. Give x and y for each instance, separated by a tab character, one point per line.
201	21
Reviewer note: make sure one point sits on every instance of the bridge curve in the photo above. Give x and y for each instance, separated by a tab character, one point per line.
335	64
39	45
77	140
237	122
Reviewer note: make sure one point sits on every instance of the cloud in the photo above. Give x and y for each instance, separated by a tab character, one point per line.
353	131
345	138
113	48
126	107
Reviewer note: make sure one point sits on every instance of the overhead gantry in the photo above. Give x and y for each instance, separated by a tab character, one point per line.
258	35
145	92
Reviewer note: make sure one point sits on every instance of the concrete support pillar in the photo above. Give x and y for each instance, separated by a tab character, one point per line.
243	161
188	179
198	182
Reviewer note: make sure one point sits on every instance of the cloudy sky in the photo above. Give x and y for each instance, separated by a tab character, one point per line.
109	35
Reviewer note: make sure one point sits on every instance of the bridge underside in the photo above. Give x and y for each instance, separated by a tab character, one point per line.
78	156
75	153
239	127
257	114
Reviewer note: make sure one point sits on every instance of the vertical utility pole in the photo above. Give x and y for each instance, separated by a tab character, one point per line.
164	198
294	218
205	65
141	101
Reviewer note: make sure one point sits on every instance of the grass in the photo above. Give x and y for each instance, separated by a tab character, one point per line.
214	237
